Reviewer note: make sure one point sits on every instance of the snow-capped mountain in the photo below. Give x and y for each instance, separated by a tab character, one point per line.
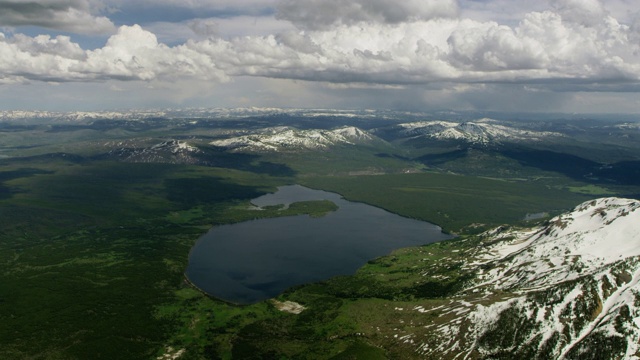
285	138
628	126
483	131
51	117
169	151
568	289
29	116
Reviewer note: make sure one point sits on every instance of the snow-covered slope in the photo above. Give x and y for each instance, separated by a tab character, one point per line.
285	138
568	289
483	131
596	234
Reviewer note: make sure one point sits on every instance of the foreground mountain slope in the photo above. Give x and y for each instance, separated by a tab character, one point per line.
566	290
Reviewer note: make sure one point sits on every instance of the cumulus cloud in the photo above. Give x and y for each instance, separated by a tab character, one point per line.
584	12
542	47
45	45
40	58
131	54
135	54
319	14
73	16
414	43
506	12
205	27
197	4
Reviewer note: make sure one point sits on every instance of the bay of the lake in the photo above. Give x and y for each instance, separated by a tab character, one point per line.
251	261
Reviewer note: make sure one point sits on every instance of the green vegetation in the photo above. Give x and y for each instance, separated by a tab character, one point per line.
456	203
89	250
591	190
345	161
244	212
206	327
93	246
347	317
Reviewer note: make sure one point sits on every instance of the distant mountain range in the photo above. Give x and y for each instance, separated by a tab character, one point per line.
291	139
602	151
264	112
482	131
195	113
596	151
286	138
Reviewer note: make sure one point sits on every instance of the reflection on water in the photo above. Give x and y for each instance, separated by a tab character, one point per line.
256	260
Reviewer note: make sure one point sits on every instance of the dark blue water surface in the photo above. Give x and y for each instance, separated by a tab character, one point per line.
255	260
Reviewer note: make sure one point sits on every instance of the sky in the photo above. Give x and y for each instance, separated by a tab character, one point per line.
572	56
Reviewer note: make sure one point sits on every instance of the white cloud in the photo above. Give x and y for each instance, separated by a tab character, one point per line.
227	28
417	42
583	12
492	47
197	4
319	14
135	54
131	54
506	12
73	16
40	58
509	12
44	44
543	47
205	27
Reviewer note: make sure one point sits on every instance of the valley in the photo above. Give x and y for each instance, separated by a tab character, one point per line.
99	212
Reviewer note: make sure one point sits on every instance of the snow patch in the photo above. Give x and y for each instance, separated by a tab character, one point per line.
288	306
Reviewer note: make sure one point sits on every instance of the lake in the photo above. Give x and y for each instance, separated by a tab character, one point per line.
251	261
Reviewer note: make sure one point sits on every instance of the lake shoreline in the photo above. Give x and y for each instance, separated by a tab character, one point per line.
252	261
446	232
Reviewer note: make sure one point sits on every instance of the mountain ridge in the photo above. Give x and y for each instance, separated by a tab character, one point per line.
285	138
481	132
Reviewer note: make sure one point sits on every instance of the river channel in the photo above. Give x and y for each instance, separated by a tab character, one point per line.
251	261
